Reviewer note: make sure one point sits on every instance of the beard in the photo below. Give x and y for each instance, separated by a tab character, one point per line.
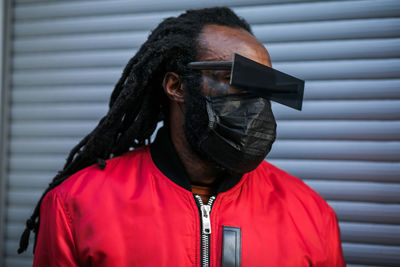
196	122
196	117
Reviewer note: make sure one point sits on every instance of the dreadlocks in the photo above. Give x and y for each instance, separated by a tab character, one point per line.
138	101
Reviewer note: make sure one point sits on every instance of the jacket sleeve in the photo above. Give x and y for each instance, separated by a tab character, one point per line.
334	245
55	244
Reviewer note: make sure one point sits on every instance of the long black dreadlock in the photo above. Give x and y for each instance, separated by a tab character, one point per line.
138	101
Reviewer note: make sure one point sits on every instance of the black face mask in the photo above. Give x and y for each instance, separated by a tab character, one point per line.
234	131
237	131
240	133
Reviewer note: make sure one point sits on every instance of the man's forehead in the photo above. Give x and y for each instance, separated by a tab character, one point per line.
220	43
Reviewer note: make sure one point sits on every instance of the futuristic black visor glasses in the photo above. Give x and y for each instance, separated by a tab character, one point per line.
259	79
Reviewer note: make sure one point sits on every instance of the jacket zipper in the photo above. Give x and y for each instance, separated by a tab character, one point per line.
205	211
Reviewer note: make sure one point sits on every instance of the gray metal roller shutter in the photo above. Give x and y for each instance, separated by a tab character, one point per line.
345	143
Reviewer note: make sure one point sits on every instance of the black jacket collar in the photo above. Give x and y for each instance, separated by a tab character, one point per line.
167	161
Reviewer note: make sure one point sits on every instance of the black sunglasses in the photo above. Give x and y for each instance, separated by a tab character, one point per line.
259	79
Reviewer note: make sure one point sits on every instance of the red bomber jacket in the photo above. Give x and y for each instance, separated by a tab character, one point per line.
139	212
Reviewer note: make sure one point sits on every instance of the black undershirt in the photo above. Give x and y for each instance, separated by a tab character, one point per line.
167	161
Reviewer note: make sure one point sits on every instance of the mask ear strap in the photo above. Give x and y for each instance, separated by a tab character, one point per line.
212	118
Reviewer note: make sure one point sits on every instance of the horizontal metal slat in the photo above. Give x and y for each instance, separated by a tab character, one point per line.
42	145
314	90
321	130
99	76
328	30
338	130
342	49
282	149
341	110
366	212
381	234
340	169
73	128
78	59
25	259
370	233
353	89
14	230
357	191
332	10
253	14
300	149
91	24
290	32
18	261
11	248
18	214
310	70
83	8
342	69
118	40
354	253
30	179
22	202
27	198
371	254
312	110
60	111
305	169
62	94
37	163
299	51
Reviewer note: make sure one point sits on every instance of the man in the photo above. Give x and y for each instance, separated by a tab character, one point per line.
200	194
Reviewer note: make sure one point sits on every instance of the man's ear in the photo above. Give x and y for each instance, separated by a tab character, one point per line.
173	87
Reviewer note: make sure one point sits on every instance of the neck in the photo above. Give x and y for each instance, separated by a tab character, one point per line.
200	172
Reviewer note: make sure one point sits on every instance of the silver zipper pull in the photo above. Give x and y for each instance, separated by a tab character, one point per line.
205	218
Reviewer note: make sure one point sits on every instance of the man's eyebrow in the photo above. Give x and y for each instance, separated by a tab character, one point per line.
210	65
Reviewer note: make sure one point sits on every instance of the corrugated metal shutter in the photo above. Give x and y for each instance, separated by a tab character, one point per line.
345	143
